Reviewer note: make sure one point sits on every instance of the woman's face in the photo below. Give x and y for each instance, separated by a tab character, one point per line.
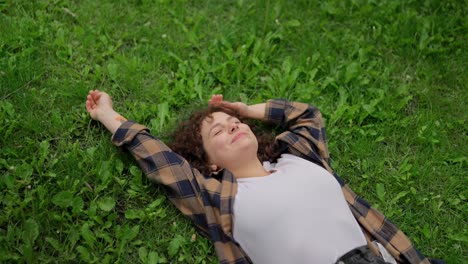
227	141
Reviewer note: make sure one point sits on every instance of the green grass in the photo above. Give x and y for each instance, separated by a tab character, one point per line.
389	76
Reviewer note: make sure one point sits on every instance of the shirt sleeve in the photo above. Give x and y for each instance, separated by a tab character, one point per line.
163	166
304	134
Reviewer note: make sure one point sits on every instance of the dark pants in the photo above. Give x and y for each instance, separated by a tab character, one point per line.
360	255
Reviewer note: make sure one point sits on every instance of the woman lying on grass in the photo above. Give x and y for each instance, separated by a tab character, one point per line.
276	202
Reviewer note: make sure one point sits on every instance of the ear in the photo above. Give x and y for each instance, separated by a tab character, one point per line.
213	167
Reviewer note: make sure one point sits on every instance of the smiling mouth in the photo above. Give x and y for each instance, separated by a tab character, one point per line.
236	137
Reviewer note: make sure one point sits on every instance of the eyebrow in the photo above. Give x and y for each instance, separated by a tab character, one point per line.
218	124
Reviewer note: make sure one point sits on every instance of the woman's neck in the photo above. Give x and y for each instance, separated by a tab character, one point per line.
250	169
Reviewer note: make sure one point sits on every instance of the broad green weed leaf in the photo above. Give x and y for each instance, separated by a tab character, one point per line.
379	139
105	175
27	251
156	202
120	181
135	171
369	108
63	199
3	164
90	151
424	35
380	190
133	214
24	171
286	66
77	204
119	166
154	123
54	243
459	237
104	235
97	71
43	151
106	203
143	254
7	107
426	231
403	89
455	201
92	209
87	234
352	71
131	233
293	23
60	38
329	8
163	114
9	181
197	87
31	231
153	257
400	195
175	244
312	75
461	159
104	168
126	233
107	259
403	102
112	69
84	253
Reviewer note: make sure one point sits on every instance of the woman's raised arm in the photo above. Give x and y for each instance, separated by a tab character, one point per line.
256	111
157	161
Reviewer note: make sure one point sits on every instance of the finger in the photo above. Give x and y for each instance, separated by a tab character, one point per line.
96	96
215	99
95	92
88	106
229	105
89	100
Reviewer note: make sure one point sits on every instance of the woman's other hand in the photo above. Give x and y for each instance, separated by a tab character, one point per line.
256	111
97	103
238	107
99	107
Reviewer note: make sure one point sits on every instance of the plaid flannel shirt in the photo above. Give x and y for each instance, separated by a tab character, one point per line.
208	202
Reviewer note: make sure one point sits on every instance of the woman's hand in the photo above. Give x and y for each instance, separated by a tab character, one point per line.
238	107
98	103
99	107
249	111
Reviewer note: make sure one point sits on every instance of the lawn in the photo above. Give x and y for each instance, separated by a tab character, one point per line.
389	76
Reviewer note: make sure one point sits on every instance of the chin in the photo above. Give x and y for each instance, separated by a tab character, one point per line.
249	147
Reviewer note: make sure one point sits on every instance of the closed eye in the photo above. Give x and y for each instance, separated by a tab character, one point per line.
216	128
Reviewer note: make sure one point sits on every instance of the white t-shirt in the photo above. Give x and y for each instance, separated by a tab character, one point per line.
297	214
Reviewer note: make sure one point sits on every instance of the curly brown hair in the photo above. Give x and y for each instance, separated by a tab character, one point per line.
187	140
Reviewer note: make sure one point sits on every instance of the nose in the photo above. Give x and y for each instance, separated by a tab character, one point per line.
234	127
